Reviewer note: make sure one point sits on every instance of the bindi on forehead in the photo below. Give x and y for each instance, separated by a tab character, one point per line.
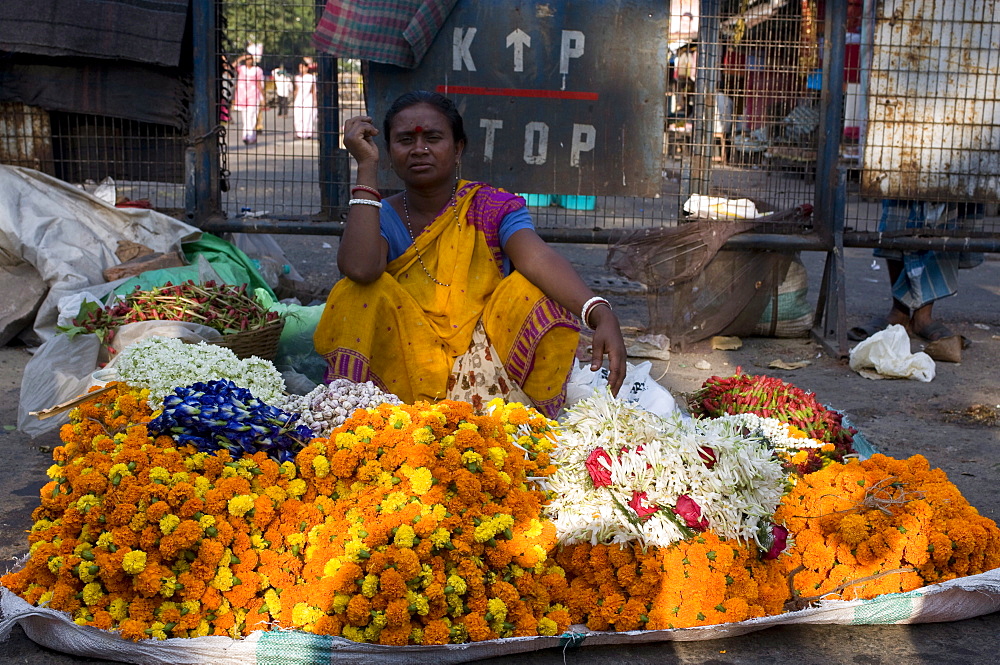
418	129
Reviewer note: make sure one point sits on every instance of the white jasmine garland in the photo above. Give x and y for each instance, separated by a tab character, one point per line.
735	479
164	363
778	433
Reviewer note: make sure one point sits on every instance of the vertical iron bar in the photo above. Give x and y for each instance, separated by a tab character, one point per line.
204	160
698	180
831	191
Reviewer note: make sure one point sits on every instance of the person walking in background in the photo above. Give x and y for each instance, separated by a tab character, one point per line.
919	278
304	105
249	92
283	86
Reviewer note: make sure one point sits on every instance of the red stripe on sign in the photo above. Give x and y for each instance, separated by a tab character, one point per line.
515	92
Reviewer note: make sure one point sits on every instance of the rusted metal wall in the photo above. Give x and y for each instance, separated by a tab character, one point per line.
933	117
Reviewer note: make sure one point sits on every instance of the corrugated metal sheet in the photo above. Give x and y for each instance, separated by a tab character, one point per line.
934	118
25	137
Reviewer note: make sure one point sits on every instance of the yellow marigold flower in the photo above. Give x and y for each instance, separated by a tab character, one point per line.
273	602
168	523
421	480
497	608
447	440
304	615
457	584
195	462
340	601
191	606
297	487
509	429
86	502
369	586
85	575
204	628
81	617
471	426
156	631
297	538
348	440
168	585
105	540
54	471
44	599
276	493
505	477
417	635
288	470
257	542
547	626
201	486
534	529
471	457
206	521
158	473
418	602
55	563
179	477
118	609
800	456
134	562
223	580
423	435
379	621
404	536
394	502
438	511
364	432
497	455
40	525
120	470
228	472
540	553
321	465
353	633
241	505
352	549
440	537
92	593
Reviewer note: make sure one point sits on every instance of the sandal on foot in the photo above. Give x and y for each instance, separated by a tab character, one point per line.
862	332
935	330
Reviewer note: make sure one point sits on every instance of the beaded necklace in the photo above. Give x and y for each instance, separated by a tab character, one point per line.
409	228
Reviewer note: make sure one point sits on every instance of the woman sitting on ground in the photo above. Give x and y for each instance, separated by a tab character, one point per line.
424	267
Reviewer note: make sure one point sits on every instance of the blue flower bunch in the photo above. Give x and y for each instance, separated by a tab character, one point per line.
219	414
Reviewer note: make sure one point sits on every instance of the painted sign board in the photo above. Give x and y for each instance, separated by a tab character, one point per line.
933	119
557	98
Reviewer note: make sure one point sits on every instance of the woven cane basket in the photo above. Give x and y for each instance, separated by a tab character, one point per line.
261	342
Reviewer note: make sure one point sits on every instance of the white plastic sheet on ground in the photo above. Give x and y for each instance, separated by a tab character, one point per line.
886	355
955	600
70	236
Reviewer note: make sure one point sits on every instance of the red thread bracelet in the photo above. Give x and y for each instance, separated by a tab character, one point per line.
365	188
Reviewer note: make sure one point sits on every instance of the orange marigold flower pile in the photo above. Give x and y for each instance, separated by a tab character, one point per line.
412	525
432	531
882	525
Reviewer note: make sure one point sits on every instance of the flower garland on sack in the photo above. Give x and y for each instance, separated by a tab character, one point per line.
882	525
771	397
432	532
161	364
628	475
701	581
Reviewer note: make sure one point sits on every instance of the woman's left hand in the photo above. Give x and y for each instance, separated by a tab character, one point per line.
608	340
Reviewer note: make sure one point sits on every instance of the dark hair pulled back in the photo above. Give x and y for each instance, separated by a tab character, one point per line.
437	100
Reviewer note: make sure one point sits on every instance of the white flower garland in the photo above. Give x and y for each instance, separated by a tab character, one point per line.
164	363
734	479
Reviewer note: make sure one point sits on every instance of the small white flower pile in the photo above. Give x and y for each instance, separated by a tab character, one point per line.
164	363
628	475
326	407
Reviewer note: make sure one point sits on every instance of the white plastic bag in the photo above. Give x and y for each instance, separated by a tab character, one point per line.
887	352
638	387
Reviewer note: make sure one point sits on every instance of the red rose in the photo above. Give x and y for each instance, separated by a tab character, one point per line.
707	456
599	467
690	512
779	534
637	503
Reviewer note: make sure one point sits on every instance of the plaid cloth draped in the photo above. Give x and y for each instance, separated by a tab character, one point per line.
396	32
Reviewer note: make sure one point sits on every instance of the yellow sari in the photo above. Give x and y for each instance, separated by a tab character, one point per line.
403	332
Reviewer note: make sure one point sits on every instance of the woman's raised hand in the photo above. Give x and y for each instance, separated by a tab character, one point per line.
359	138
